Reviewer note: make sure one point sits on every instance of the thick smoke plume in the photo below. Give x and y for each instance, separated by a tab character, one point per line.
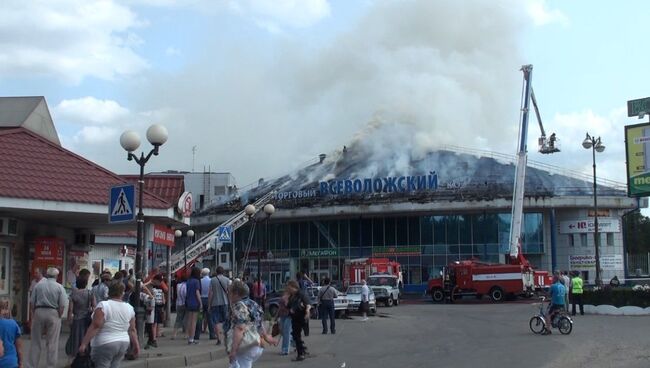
423	73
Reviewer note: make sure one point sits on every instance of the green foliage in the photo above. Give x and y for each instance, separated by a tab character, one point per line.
618	297
636	229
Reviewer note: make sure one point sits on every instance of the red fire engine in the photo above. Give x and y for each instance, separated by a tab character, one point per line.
355	270
475	278
498	280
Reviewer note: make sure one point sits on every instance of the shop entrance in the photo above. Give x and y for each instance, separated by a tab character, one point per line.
276	281
317	276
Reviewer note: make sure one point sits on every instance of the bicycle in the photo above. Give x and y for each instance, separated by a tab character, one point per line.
561	320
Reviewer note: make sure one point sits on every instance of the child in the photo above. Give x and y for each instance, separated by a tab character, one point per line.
11	356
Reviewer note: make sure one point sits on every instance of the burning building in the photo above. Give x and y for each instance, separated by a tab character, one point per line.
424	211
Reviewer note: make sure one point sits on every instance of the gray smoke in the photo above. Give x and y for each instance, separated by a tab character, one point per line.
423	73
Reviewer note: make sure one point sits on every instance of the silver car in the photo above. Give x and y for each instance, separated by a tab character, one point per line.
353	295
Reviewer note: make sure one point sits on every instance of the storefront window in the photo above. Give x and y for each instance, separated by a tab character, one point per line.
452	229
378	232
465	229
295	235
313	235
355	233
4	270
426	229
344	231
401	229
439	230
366	232
414	231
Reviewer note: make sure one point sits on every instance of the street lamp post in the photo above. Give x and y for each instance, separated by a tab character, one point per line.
178	234
269	210
130	141
596	145
250	211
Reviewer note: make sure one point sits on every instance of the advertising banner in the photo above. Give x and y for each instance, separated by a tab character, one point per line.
611	262
608	262
112	265
163	235
328	252
48	252
605	225
637	150
395	251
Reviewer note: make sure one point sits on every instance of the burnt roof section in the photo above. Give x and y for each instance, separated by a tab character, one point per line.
461	176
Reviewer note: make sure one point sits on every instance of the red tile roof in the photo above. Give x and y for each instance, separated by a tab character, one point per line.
168	187
34	168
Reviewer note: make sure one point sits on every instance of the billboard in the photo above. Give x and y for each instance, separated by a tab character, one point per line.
637	152
608	262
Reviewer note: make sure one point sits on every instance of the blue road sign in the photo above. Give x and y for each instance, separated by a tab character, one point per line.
224	234
121	204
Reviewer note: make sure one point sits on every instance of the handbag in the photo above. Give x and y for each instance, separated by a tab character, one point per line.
275	330
251	338
82	361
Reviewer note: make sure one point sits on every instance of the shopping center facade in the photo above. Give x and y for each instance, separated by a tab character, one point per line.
451	204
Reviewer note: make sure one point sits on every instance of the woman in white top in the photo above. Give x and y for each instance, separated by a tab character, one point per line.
111	330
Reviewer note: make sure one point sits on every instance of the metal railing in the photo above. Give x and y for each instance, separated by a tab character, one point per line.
638	265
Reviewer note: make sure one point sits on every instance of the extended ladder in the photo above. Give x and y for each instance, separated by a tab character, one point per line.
200	246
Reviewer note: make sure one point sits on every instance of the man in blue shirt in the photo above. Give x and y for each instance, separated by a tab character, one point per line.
558	294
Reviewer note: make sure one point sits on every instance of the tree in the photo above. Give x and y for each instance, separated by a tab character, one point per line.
636	233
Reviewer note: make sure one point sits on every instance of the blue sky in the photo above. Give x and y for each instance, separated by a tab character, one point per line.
263	86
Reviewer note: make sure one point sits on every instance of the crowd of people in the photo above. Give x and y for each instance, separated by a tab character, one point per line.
102	323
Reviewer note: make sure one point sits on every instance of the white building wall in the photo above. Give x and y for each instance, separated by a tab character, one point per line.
565	249
204	184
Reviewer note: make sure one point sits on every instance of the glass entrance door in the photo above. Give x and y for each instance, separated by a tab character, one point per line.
317	276
276	280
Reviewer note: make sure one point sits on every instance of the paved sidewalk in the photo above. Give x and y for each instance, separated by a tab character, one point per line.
169	353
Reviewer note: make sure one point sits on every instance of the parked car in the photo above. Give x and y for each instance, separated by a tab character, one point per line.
273	302
340	302
386	288
353	295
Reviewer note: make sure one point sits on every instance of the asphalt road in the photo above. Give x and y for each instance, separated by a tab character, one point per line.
475	335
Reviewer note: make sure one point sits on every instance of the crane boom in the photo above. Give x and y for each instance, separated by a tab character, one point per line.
520	170
545	146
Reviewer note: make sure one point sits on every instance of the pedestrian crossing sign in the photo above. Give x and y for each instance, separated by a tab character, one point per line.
224	234
121	204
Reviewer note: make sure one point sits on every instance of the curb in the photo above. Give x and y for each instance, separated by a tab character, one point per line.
611	310
174	361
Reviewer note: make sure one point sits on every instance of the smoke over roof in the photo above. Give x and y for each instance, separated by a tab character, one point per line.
379	152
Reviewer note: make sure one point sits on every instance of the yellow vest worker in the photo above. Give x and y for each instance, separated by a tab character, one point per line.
576	295
576	284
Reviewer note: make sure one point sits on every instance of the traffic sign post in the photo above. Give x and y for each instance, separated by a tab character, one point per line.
121	203
224	234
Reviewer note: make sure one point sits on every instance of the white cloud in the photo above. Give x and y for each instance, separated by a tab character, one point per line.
542	15
90	110
95	134
571	129
69	39
276	14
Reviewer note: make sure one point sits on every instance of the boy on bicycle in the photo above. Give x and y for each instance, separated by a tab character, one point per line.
558	293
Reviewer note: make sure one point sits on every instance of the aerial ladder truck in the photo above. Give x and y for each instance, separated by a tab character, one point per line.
515	276
546	146
208	241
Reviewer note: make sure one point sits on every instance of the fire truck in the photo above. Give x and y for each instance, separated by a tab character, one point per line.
472	277
355	270
476	278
